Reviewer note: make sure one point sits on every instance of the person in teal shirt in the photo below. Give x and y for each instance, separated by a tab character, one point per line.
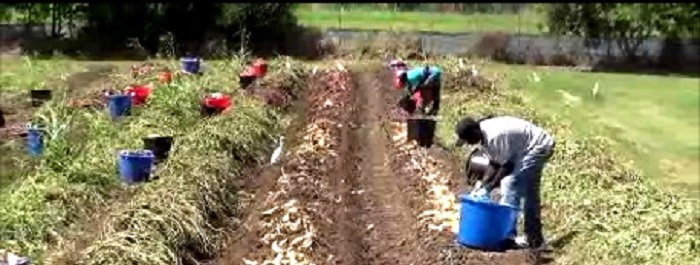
422	84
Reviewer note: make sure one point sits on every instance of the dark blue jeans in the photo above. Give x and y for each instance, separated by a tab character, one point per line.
524	183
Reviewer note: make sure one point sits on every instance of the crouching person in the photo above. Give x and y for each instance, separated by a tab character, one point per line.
422	86
520	150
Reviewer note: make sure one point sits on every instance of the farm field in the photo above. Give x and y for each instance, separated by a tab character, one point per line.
349	189
359	19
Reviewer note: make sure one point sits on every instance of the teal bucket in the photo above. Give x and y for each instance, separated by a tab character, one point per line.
485	225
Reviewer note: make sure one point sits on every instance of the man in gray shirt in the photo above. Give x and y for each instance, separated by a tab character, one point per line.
519	149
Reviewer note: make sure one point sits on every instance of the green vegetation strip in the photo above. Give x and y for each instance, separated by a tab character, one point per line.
24	73
616	215
527	22
195	186
17	77
78	172
179	214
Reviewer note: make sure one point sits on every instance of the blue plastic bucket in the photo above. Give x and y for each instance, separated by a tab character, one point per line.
483	224
190	64
35	141
119	105
135	166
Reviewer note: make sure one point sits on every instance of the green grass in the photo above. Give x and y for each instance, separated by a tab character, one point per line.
419	21
19	74
653	120
22	73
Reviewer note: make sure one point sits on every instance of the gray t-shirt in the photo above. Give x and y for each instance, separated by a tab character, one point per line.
510	138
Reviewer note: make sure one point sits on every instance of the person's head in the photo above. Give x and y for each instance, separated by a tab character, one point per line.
397	64
468	131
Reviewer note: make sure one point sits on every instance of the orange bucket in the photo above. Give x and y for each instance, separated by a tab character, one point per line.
165	77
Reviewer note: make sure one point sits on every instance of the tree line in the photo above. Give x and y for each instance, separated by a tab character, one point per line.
628	25
274	23
189	23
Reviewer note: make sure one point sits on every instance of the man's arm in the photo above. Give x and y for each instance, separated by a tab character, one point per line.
494	177
502	163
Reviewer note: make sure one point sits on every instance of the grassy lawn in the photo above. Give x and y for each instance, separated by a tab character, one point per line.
418	21
652	119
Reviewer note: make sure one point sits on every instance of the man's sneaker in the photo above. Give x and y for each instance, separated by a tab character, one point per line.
521	242
511	244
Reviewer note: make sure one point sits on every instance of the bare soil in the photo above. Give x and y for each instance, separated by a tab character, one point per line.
362	201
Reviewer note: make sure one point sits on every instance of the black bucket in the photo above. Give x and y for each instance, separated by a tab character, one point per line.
39	96
208	112
2	119
159	145
245	81
422	130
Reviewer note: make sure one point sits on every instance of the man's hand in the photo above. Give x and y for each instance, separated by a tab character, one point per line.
498	172
480	194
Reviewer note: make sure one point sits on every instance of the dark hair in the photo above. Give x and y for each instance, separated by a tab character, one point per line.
469	130
403	77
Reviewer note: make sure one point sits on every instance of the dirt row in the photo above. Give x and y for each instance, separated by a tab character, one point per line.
433	181
352	189
287	209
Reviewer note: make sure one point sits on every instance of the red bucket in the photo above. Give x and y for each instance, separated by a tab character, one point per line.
218	101
259	68
138	94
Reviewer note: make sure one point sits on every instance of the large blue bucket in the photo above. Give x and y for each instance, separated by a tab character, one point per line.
35	141
135	166
190	64
119	105
483	224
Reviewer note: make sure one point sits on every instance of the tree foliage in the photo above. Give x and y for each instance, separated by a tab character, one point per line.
628	24
673	20
189	23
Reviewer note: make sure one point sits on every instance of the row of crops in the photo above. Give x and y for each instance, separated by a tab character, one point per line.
76	178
